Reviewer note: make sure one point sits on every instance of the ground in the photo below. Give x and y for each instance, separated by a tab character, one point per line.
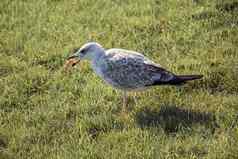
46	113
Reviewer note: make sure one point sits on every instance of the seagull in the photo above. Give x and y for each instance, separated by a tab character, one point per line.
126	70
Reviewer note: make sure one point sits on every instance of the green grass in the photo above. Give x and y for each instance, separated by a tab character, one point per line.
47	113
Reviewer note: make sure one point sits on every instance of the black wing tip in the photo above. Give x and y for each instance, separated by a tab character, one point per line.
198	76
189	77
178	80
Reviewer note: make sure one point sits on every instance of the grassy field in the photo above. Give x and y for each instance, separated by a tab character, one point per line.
46	113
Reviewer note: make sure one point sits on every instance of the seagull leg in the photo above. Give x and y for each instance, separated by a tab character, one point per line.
135	99
124	106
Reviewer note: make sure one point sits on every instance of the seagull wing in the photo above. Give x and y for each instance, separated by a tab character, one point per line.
133	70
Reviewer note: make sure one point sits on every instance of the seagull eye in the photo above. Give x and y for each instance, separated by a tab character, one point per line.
83	51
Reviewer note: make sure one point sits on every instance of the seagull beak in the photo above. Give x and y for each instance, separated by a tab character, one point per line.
72	57
71	61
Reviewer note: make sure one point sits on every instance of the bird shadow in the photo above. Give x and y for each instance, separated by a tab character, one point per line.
172	118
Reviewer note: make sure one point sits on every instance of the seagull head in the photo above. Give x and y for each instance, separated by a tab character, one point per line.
89	51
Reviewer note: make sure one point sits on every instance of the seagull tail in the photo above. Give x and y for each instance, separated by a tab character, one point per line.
181	79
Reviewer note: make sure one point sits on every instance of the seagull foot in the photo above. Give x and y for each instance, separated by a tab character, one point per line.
124	115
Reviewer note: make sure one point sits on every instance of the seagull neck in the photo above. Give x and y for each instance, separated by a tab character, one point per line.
101	53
